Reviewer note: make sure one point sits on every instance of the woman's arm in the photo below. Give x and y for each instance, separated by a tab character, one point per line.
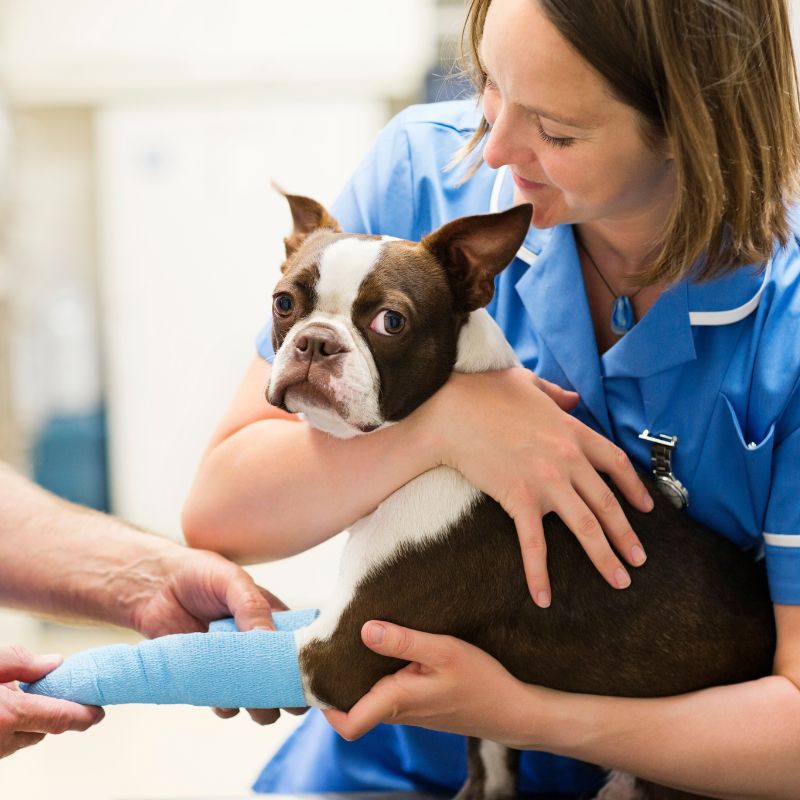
270	486
732	742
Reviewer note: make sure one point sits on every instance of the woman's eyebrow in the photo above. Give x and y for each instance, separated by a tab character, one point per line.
540	112
560	118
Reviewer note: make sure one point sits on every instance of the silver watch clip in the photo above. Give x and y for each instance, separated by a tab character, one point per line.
662	445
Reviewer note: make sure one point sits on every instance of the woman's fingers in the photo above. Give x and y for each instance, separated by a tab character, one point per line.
606	457
563	398
580	519
378	705
426	651
528	521
601	499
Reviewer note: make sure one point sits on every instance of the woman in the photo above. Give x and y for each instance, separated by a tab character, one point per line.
658	143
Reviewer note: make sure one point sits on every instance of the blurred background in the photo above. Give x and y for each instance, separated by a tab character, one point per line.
139	243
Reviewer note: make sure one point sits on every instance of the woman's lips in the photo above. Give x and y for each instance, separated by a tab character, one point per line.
526	184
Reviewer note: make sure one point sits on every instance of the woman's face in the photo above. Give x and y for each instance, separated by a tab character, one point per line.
575	151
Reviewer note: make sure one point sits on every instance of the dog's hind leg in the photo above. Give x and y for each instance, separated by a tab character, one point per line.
491	771
621	786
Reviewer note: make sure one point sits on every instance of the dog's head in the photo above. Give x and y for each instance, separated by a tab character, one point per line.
365	328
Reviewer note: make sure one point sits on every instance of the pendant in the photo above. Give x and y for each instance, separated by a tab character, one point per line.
621	316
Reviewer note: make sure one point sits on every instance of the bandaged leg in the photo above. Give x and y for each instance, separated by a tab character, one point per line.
225	668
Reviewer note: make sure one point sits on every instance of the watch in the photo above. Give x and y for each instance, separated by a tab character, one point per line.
661	449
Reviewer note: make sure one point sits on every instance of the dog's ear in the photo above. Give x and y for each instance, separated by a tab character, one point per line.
473	250
307	215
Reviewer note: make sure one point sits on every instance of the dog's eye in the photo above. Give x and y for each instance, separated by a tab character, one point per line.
388	322
283	305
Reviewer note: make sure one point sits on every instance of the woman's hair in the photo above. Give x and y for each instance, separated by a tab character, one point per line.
717	79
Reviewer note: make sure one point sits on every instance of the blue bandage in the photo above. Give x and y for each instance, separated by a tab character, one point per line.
225	668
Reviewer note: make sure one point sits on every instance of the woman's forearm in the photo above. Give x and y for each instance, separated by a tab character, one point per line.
277	487
59	558
736	742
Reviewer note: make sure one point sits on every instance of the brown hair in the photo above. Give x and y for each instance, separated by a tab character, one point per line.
717	78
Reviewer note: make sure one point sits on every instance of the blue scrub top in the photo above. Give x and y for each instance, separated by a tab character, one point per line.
716	364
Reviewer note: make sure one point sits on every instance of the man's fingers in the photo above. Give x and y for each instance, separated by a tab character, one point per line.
264	716
534	555
226	713
249	604
18	664
21	740
275	603
37	714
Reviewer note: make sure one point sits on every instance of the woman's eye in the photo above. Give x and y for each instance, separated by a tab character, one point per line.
555	141
388	323
283	305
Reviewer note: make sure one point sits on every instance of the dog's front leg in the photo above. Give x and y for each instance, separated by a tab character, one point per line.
492	771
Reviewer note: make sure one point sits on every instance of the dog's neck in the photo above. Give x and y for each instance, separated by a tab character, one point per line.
426	507
482	345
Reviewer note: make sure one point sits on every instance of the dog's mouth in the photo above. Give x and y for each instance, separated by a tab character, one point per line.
315	396
299	385
299	397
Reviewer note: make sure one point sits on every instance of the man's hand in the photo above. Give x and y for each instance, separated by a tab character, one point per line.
197	587
200	587
25	719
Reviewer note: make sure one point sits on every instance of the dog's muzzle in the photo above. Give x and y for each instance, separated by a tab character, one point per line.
314	359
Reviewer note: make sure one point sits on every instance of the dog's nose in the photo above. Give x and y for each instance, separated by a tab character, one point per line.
318	343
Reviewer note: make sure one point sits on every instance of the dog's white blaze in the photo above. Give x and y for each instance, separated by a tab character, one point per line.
343	266
422	510
500	780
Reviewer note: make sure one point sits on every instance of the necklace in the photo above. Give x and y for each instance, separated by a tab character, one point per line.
622	319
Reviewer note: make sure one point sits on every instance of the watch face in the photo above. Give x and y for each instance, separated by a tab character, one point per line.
674	490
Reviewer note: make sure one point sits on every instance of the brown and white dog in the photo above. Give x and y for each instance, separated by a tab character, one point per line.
366	328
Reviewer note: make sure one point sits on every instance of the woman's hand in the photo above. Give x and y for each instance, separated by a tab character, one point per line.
25	719
509	434
448	686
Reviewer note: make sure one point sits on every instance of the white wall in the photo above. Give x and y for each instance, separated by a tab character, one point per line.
186	110
191	241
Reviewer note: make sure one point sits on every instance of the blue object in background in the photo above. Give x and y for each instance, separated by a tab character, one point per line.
70	460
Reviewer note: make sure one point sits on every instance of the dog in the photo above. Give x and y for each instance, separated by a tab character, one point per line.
365	329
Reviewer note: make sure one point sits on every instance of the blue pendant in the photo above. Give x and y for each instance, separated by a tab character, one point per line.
621	316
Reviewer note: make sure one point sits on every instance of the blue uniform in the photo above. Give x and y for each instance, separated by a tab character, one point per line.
716	364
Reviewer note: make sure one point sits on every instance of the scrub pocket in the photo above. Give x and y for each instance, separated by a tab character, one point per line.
731	485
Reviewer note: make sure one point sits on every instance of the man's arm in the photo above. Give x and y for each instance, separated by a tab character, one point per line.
60	558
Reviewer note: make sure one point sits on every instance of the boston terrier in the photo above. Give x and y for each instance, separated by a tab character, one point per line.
366	328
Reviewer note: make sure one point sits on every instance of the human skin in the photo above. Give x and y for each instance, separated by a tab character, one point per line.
61	559
738	741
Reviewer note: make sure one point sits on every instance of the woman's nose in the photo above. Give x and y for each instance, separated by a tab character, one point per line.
505	145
